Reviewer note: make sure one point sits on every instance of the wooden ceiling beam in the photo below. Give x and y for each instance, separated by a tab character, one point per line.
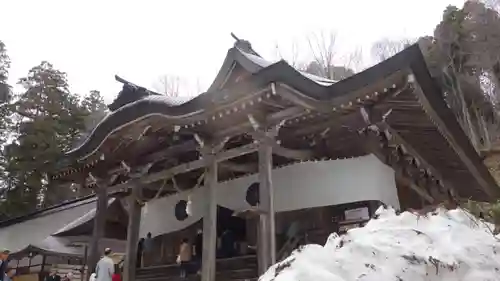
400	141
273	118
373	146
161	155
293	153
463	149
200	163
242	168
190	166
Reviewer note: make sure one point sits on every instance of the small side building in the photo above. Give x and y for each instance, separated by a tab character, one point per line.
57	238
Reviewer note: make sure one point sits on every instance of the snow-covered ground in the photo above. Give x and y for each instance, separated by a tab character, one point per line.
443	245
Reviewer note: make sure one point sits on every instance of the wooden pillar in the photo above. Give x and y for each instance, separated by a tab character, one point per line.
134	221
208	271
84	273
266	248
99	226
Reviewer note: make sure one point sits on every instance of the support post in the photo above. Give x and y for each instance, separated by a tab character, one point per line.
208	271
266	238
99	225
84	273
267	233
134	221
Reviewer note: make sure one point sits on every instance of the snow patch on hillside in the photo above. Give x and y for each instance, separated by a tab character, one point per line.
443	245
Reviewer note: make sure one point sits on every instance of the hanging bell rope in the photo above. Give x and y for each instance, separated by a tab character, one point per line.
189	201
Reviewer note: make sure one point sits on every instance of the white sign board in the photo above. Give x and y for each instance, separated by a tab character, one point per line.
357	214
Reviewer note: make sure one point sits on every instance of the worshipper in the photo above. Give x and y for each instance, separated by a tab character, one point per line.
105	267
4	260
227	242
148	249
92	277
140	252
53	276
10	273
198	250
184	257
67	277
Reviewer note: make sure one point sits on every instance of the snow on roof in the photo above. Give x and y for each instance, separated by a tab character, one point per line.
444	245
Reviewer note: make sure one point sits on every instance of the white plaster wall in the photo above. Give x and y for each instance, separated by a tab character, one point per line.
298	186
18	236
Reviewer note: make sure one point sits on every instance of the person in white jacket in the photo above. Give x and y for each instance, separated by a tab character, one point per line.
105	267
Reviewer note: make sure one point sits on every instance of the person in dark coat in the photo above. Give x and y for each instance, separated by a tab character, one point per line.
228	244
140	250
4	259
53	276
198	250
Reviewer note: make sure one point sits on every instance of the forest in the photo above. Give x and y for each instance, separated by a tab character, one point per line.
44	119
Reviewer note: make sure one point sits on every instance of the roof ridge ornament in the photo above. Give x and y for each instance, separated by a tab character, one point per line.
129	93
244	45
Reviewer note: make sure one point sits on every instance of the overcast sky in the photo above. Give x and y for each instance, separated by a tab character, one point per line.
93	40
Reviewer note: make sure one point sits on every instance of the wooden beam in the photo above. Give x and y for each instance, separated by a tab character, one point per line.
292	153
399	140
200	163
408	182
243	168
273	118
187	146
193	144
373	146
134	221
197	164
190	166
373	119
99	225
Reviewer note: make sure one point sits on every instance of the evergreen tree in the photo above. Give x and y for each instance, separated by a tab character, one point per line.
5	111
5	89
50	120
95	109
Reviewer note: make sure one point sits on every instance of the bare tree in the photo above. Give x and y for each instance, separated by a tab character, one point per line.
354	60
176	86
324	51
492	4
386	48
322	57
169	85
292	58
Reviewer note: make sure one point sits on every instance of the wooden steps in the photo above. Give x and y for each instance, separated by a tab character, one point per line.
232	269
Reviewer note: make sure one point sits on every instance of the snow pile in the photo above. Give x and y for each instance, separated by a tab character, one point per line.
443	245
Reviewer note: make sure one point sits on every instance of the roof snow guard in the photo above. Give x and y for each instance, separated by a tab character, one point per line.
245	73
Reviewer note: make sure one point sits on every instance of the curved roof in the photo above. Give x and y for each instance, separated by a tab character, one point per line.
263	73
140	102
322	94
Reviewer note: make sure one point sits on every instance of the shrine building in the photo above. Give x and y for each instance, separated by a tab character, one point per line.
276	156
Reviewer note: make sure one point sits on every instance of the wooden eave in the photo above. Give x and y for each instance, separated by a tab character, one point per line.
436	137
